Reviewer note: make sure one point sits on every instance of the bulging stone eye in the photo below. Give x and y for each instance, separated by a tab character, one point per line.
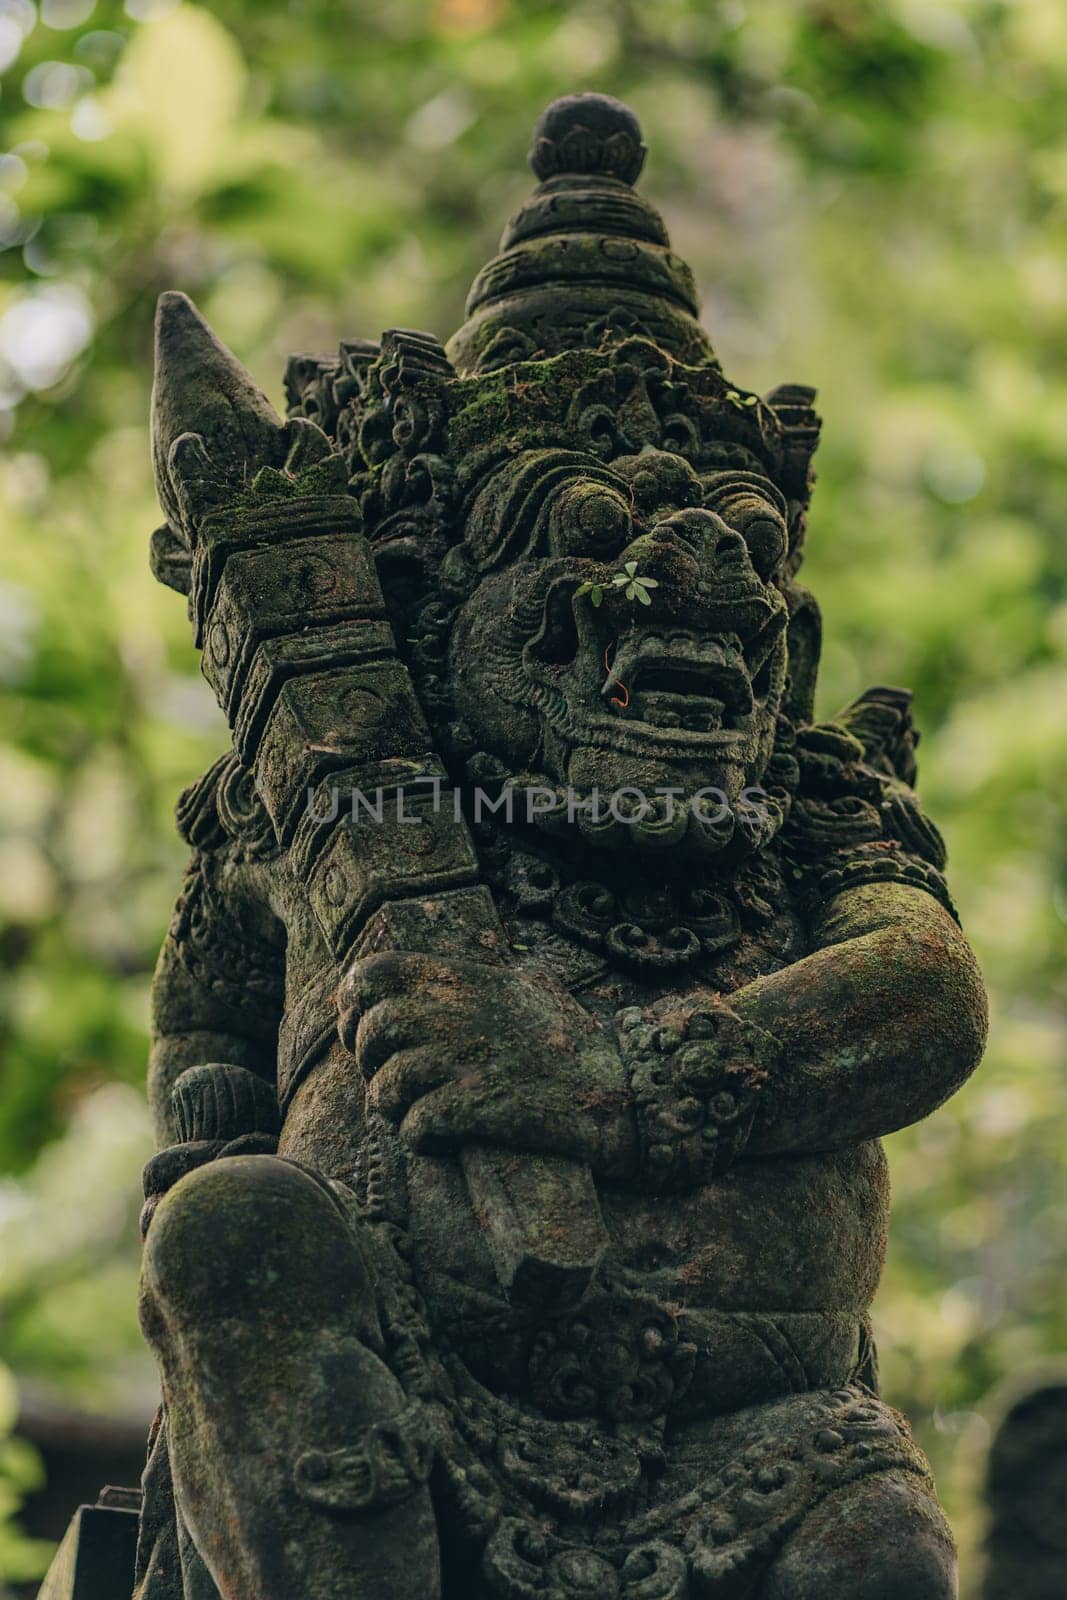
590	519
754	508
763	530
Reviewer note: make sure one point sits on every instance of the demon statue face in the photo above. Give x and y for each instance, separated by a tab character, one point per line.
625	630
587	536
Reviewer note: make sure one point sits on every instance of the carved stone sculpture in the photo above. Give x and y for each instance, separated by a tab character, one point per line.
1026	1494
544	976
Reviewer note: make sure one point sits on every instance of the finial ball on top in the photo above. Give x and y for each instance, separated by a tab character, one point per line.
587	133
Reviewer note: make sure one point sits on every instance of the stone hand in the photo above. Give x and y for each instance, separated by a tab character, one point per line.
458	1053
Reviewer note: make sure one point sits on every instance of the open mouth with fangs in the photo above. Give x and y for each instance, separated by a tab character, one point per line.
679	680
662	678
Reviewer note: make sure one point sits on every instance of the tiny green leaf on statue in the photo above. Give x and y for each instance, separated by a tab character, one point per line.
629	580
633	586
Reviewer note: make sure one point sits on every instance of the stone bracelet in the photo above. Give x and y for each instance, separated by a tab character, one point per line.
696	1082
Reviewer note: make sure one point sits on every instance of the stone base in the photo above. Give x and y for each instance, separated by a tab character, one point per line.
96	1558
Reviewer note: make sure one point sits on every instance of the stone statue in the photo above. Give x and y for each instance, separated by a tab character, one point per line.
1026	1493
544	976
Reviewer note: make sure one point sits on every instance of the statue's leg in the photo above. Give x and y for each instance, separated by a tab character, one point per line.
299	1466
882	1537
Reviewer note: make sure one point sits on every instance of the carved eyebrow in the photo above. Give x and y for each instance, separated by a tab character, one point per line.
505	516
726	481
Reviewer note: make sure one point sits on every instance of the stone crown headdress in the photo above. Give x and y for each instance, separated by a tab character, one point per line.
585	257
581	335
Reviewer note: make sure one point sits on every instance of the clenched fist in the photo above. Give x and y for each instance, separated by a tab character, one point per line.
458	1053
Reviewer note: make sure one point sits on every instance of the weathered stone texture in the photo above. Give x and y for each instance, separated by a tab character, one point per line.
520	1203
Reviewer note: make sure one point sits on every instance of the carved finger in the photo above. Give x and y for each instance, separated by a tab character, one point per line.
384	1031
447	1119
394	972
475	1110
409	1075
370	982
393	975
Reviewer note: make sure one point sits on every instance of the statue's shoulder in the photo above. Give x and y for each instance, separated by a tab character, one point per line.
221	813
856	818
881	721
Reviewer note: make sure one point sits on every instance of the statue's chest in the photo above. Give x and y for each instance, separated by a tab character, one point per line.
634	932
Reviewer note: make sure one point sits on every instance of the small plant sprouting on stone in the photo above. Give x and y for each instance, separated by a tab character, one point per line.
633	586
629	580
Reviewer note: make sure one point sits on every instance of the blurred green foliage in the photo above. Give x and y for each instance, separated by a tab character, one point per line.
20	1472
871	193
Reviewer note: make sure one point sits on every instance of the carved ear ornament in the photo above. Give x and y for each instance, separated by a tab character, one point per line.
170	558
223	806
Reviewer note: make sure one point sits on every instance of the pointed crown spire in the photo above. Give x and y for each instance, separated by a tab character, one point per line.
586	259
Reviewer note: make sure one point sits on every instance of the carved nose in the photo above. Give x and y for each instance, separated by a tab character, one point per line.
706	536
726	545
691	546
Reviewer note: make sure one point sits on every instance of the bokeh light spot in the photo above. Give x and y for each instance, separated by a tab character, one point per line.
61	14
52	85
43	332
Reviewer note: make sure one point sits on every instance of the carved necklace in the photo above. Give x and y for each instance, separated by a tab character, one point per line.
645	919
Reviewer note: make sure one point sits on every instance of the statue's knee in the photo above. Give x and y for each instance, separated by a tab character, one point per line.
882	1538
244	1236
